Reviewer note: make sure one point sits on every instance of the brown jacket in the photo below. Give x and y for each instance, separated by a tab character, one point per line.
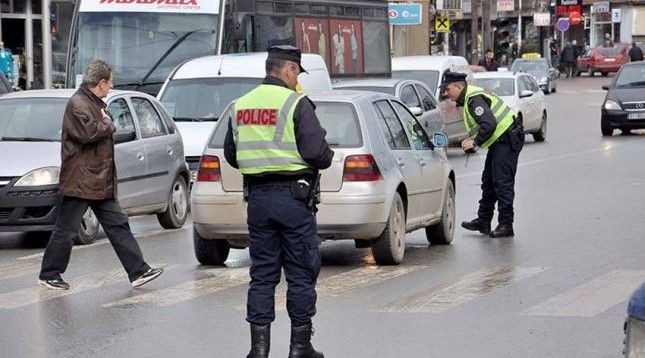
87	149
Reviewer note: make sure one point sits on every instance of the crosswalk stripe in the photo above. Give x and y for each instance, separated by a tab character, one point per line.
465	290
593	297
215	281
19	268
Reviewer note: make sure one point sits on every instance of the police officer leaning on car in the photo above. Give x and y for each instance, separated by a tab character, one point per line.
276	140
491	124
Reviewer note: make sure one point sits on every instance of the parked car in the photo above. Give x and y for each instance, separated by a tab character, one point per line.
414	94
197	91
603	59
430	70
540	68
635	325
387	178
624	105
151	170
520	92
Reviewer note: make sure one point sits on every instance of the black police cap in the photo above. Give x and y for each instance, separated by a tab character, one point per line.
452	77
288	53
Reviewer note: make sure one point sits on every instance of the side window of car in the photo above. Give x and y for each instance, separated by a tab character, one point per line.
426	99
391	127
149	120
409	97
418	137
167	119
523	86
121	115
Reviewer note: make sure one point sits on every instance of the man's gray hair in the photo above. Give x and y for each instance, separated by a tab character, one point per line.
96	71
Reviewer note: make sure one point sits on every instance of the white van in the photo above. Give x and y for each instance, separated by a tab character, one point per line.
197	91
430	70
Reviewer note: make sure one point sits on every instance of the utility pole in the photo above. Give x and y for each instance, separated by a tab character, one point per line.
474	31
486	35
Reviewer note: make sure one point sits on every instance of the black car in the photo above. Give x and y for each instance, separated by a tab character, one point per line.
624	106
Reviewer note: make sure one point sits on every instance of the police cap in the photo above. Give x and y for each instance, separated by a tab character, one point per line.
288	53
452	77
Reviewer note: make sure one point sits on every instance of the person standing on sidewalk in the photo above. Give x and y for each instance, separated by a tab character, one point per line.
88	180
277	142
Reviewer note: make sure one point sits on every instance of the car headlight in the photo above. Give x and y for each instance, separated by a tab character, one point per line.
610	104
38	177
543	79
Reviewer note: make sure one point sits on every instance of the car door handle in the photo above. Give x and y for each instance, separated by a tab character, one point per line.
141	156
169	151
400	162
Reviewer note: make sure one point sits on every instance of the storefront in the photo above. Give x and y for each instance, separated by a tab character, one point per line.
31	30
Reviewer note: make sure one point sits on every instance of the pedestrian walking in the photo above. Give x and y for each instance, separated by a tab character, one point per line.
491	124
88	180
488	62
635	53
568	59
6	62
276	140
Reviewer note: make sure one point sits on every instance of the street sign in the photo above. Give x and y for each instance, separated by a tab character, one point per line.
616	15
505	5
575	18
563	24
404	14
601	7
542	19
442	24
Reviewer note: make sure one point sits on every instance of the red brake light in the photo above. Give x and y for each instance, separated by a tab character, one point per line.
209	169
361	168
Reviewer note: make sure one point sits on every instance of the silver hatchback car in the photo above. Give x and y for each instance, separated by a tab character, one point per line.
387	178
149	156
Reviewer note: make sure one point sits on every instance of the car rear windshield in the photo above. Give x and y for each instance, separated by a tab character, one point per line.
203	99
32	119
430	78
338	119
631	76
388	90
529	66
499	86
610	51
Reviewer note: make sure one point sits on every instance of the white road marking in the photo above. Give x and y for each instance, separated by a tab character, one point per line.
469	288
19	268
215	281
593	297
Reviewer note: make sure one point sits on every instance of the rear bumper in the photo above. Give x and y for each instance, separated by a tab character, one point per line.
619	119
606	67
28	209
222	215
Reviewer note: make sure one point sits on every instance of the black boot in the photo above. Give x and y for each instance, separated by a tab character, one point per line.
477	225
260	341
301	343
503	230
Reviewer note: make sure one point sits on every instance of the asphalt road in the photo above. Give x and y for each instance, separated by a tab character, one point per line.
558	289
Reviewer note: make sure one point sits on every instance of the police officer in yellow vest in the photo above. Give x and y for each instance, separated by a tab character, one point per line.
276	141
493	125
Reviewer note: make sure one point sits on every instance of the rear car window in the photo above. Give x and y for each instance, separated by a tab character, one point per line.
338	119
610	51
499	86
429	77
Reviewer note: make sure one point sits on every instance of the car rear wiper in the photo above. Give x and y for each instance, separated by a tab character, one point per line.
194	119
27	139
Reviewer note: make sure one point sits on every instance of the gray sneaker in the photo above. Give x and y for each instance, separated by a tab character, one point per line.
55	284
150	275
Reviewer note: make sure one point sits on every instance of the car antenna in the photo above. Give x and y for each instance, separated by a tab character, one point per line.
221	63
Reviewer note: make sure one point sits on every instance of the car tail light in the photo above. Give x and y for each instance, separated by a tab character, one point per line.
361	168
209	169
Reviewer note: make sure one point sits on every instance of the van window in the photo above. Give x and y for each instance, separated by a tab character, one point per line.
338	119
429	77
203	99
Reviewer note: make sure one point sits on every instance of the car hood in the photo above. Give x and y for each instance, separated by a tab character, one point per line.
19	158
195	135
632	94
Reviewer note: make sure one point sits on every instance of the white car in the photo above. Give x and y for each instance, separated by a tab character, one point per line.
522	93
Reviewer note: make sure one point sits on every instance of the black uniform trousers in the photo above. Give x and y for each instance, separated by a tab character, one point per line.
282	234
115	224
498	179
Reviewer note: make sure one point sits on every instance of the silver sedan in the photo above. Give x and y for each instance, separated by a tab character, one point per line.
387	178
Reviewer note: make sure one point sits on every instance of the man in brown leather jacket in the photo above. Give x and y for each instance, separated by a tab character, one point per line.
88	180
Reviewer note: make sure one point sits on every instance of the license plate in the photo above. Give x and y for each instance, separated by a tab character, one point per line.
610	60
636	116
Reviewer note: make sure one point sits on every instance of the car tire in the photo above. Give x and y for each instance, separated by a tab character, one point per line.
443	232
548	88
540	135
555	89
389	247
89	231
177	211
606	129
210	252
604	74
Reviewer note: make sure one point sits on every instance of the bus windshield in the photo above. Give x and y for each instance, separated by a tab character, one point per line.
142	47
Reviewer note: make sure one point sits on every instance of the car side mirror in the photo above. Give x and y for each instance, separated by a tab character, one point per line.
440	140
605	87
122	136
526	93
417	111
